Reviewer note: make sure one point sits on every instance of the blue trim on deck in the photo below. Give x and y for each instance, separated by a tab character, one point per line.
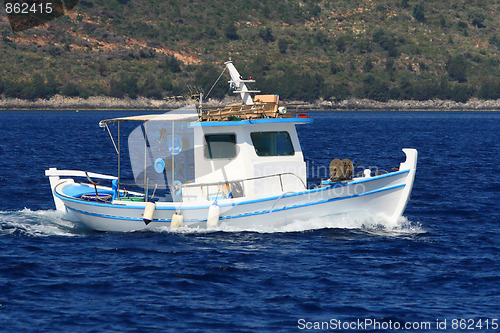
252	122
314	203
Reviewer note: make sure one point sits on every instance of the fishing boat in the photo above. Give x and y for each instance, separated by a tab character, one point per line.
236	165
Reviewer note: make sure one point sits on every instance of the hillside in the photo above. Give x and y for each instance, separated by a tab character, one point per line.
305	50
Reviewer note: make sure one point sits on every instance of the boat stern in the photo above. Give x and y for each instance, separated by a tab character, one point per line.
55	180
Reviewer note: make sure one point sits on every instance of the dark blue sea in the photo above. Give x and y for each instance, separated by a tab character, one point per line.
437	270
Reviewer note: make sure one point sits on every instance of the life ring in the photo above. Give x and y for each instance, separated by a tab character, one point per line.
177	187
159	165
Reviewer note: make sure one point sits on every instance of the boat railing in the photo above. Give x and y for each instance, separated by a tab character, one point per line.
222	189
280	175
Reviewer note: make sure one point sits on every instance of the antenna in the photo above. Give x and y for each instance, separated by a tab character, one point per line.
239	85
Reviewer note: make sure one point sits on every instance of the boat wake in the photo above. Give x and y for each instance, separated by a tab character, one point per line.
403	227
39	223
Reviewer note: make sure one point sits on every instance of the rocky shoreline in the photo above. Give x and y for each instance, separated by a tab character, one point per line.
59	102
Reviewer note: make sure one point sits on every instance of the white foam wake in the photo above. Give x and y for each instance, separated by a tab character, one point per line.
38	223
375	226
54	223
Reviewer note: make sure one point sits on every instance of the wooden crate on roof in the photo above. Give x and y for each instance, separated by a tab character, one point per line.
267	99
241	112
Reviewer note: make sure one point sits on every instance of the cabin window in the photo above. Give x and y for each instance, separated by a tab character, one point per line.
272	143
220	146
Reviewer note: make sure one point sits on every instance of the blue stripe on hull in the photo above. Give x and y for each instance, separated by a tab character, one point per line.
314	203
235	216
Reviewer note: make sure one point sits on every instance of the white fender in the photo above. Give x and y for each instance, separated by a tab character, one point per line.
177	220
148	212
213	215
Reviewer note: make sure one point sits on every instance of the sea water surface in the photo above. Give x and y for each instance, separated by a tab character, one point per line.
437	270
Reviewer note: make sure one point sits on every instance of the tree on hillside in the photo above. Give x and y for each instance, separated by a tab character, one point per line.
70	89
489	90
282	45
418	12
35	87
386	41
460	93
477	19
103	68
124	85
374	88
368	66
52	85
267	35
171	64
231	32
457	68
205	77
150	87
341	43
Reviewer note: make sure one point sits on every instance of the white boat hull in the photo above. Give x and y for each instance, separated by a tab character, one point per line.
383	196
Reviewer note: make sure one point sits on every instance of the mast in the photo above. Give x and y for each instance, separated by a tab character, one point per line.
239	84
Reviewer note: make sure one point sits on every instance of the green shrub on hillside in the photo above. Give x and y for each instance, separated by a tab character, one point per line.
125	84
457	68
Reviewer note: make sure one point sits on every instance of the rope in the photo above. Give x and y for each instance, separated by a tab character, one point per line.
215	83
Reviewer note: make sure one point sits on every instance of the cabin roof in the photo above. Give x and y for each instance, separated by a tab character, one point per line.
251	122
193	119
170	116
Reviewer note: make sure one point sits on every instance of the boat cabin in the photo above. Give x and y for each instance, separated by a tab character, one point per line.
247	149
246	158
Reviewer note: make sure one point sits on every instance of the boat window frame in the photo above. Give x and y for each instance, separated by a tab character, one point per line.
206	149
289	137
